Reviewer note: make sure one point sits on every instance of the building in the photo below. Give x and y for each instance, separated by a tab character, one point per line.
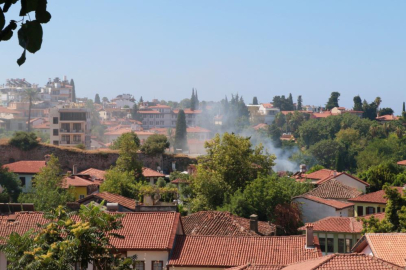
70	126
402	163
151	175
334	189
26	171
81	187
162	116
390	247
59	90
264	113
124	204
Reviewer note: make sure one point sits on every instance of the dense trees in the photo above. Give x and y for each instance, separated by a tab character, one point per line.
332	101
155	144
357	103
385	111
284	104
97	99
194	100
299	103
181	135
10	186
255	101
24	140
134	113
130	136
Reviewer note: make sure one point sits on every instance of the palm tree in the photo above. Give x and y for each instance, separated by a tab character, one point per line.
29	95
378	101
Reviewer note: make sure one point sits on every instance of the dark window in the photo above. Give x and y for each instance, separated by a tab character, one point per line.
322	242
360	210
56	143
22	179
348	243
370	210
139	265
378	209
341	246
55	132
383	209
55	120
79	116
157	265
330	245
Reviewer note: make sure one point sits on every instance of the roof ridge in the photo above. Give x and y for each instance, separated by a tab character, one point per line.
324	261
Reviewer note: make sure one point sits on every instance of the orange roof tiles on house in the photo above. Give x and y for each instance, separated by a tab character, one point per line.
159	106
228	251
402	163
111	198
374	197
147	172
119	131
222	223
390	247
343	173
148	112
256	267
267	105
387	118
336	224
333	203
94	173
260	126
320	174
333	189
26	166
42	126
344	262
180	181
321	114
76	181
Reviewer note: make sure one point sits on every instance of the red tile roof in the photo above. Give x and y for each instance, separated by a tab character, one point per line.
344	262
148	112
94	173
222	223
159	106
390	247
333	203
228	251
256	267
26	166
76	181
260	126
267	105
320	174
333	189
403	163
336	224
342	173
387	118
111	198
374	197
147	172
180	181
188	111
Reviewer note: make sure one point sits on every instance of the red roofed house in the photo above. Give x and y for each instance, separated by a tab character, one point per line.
94	174
124	204
387	118
26	171
390	247
82	187
374	202
151	175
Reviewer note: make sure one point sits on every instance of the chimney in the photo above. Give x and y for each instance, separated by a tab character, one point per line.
302	168
254	223
47	158
309	236
112	207
75	169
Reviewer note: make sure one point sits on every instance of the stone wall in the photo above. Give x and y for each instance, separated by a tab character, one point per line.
89	159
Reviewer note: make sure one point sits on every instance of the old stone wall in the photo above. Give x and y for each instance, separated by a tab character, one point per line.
90	159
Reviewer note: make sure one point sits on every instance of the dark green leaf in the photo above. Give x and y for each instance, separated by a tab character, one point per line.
7	4
21	60
7	32
2	19
27	6
42	16
30	36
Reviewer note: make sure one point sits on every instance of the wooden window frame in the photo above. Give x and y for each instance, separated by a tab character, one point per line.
143	262
152	264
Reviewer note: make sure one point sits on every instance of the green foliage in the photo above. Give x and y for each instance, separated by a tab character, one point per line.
161	182
73	97
181	134
332	101
255	101
385	111
10	184
283	103
128	159
65	239
315	168
357	103
299	103
326	152
97	99
370	110
235	114
134	113
386	173
81	146
126	136
30	33
48	191
155	144
122	182
24	140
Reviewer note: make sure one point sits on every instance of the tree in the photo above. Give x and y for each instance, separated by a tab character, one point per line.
30	33
105	99
255	101
333	101
370	110
299	103
141	100
155	144
128	158
134	112
403	109
357	103
385	111
129	135
290	101
24	140
121	182
29	95
181	134
196	100
97	99
73	93
386	173
193	100
10	186
64	239
326	152
48	188
378	101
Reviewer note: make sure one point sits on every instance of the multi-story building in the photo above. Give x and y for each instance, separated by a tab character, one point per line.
59	90
162	116
70	126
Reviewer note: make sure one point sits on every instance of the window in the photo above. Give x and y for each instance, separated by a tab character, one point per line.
80	116
139	265
348	243
151	123
360	210
157	265
56	143
55	120
341	246
330	245
150	116
22	179
55	132
383	209
77	138
370	210
378	209
322	242
157	123
81	196
77	127
161	122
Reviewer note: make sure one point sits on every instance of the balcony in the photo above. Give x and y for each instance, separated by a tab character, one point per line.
71	142
71	131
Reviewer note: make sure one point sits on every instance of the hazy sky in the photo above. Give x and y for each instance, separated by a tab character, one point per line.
161	49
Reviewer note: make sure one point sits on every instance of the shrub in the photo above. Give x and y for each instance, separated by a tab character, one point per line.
24	140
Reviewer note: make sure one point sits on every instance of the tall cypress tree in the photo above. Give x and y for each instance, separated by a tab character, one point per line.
97	99
180	135
333	101
290	102
255	101
357	103
73	94
141	100
196	100
299	103
193	100
404	107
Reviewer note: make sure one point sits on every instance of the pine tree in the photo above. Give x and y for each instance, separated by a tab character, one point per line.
141	100
332	101
196	100
299	103
255	101
290	102
193	100
97	99
357	103
404	107
73	94
134	112
180	135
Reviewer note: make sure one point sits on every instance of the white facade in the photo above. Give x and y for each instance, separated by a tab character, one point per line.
351	182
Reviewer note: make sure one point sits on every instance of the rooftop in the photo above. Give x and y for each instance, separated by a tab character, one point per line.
76	181
26	166
333	189
336	224
333	203
374	197
94	173
111	198
147	172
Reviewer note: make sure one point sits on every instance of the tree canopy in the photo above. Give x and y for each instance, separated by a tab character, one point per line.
155	144
332	101
24	140
10	186
180	133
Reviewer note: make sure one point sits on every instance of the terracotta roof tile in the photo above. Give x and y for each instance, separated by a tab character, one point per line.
188	111
333	189
76	181
222	223
320	174
339	174
147	172
94	173
228	251
333	203
374	197
26	166
197	130
180	181
111	198
256	267
344	262
403	163
387	118
336	224
260	126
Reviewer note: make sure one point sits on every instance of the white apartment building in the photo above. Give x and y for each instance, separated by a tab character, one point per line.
162	116
70	126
